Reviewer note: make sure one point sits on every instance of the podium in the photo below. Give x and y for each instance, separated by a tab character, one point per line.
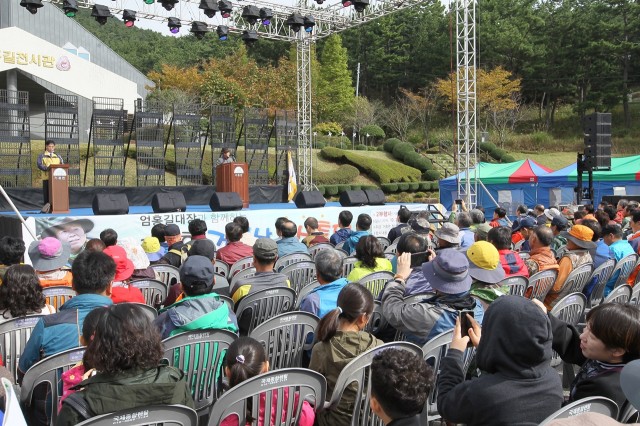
234	177
59	188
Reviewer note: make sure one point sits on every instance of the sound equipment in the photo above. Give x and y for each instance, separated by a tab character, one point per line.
309	199
353	198
225	201
165	202
597	140
110	204
375	197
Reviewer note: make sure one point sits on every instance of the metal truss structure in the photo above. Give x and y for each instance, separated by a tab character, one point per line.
15	139
330	18
61	126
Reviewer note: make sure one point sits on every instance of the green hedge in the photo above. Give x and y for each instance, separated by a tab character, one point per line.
331	189
414	186
389	187
403	186
390	144
402	149
344	174
361	147
328	126
496	153
380	170
431	175
418	161
373	131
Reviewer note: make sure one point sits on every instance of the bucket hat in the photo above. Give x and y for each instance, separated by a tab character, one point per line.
449	272
49	253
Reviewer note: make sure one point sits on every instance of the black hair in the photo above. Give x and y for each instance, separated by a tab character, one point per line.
589	208
410	242
243	222
611	212
594	226
364	222
95	244
345	217
400	382
500	212
11	250
544	234
500	237
92	272
244	359
289	229
602	217
279	222
368	250
311	222
635	216
233	232
612	229
581	213
617	325
20	292
539	207
522	209
404	214
49	142
197	227
158	231
109	237
354	300
124	340
561	227
88	330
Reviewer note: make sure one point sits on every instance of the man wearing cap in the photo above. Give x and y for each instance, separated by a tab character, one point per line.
541	258
153	250
499	218
559	225
121	289
48	257
173	237
550	214
225	157
200	309
234	250
404	214
448	236
481	232
618	249
324	298
69	230
449	276
522	232
577	254
511	262
486	272
363	224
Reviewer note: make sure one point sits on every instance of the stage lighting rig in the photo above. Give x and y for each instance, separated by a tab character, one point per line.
70	8
101	13
251	14
129	18
309	23
209	7
199	29
168	4
31	5
249	37
225	7
295	21
266	15
223	32
360	5
174	25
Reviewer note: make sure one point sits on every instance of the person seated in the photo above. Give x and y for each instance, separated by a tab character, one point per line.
49	257
620	209
125	351
344	231
412	243
559	225
618	249
448	274
541	258
467	237
265	254
204	248
95	244
538	212
340	338
628	213
175	252
477	218
12	251
234	250
518	384
404	214
550	214
159	231
610	340
324	298
21	294
363	224
486	272
481	232
289	243
247	238
448	236
314	236
198	229
246	358
200	308
400	385
511	261
370	259
142	269
153	249
521	213
634	238
499	218
522	232
109	237
278	226
121	289
598	258
577	254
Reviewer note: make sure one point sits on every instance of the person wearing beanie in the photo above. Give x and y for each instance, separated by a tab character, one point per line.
486	272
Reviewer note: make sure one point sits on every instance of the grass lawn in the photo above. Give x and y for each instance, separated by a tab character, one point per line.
552	160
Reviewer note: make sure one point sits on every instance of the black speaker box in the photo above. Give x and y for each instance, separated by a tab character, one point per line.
110	204
375	197
309	199
165	202
353	198
225	201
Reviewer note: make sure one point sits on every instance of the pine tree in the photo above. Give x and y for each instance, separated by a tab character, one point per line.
335	92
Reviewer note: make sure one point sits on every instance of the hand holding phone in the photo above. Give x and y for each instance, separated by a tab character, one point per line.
466	317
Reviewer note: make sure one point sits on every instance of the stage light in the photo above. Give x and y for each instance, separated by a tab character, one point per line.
295	21
209	7
149	1
101	13
168	4
199	29
174	25
346	3
223	32
225	8
251	14
360	5
266	15
309	23
31	5
70	8
249	37
129	18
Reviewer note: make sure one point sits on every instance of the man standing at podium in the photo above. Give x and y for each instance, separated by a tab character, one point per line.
46	160
225	157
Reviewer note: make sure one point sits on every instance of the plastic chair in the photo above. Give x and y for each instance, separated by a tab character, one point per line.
601	275
245	273
517	246
305	384
596	404
517	285
239	265
561	252
290	259
624	267
221	283
14	335
433	352
285	338
375	282
154	291
264	304
339	246
300	273
392	248
628	414
576	280
390	256
167	415
358	371
524	255
200	354
541	283
150	311
384	242
635	295
348	263
49	371
377	320
221	268
57	295
228	301
169	275
304	291
570	308
317	248
620	294
343	254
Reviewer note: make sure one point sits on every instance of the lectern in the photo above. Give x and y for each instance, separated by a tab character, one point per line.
59	188
234	177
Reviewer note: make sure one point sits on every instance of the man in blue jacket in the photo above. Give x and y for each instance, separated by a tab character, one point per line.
363	224
324	298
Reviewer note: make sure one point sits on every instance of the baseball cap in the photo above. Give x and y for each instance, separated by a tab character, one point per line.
265	248
449	232
204	248
551	213
196	272
560	220
49	254
449	272
172	230
581	236
484	262
526	222
482	230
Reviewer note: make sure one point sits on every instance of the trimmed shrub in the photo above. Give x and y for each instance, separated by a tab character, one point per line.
425	186
361	147
390	143
508	159
431	175
403	186
435	186
373	131
389	187
334	140
380	148
380	170
372	148
402	149
418	161
320	145
331	190
346	173
322	189
414	186
356	187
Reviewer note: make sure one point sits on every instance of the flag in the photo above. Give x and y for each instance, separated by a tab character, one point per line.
292	187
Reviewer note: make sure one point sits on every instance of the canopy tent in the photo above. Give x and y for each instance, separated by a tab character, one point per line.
557	187
510	184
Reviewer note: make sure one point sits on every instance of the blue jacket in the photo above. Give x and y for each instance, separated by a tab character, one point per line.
290	245
340	235
60	331
323	298
619	250
467	237
351	242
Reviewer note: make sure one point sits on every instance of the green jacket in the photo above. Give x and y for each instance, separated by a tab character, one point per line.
138	388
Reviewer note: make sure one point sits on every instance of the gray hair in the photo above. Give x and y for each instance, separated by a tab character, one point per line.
328	265
464	220
477	216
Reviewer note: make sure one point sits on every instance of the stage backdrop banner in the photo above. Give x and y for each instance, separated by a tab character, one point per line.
77	230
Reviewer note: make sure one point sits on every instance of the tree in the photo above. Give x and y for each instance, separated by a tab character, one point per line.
335	90
399	117
422	105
